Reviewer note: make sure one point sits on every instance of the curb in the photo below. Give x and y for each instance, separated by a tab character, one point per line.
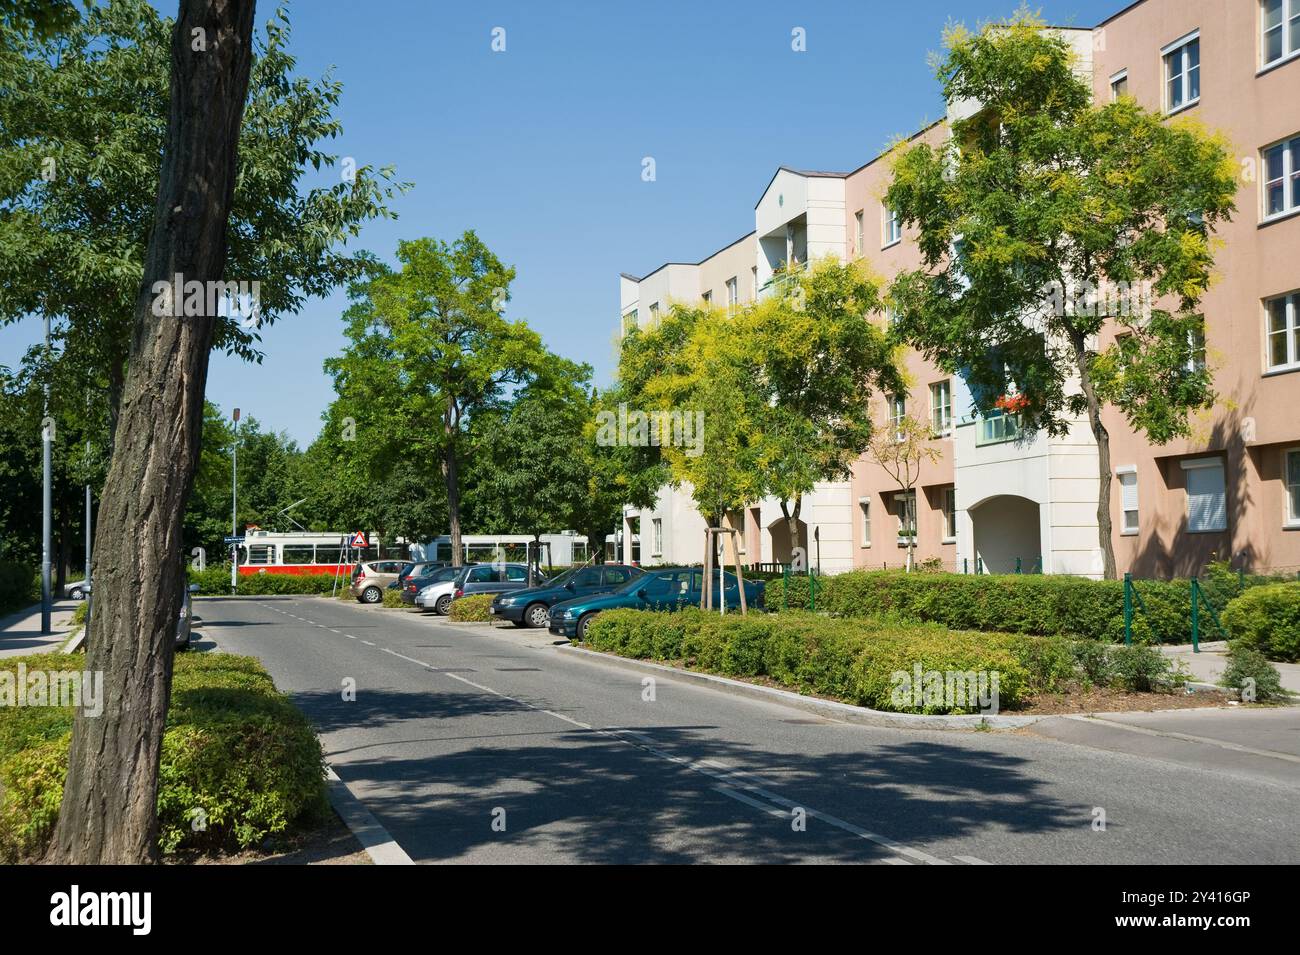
361	822
844	712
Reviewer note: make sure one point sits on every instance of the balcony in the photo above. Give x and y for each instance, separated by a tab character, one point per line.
997	428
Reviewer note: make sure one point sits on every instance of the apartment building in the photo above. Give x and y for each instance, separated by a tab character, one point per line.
996	499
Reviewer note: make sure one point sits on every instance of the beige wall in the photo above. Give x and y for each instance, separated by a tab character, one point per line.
863	190
1258	415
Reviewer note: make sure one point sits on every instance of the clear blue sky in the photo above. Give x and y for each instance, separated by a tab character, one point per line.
539	148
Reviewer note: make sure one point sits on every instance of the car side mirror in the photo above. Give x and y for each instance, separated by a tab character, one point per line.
195	588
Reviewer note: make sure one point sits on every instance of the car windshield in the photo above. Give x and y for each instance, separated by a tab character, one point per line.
562	579
632	584
440	575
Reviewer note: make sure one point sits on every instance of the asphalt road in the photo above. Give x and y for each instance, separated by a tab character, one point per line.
474	744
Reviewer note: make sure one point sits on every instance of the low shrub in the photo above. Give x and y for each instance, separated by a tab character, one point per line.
237	754
393	598
216	581
471	609
1142	668
860	661
18	586
1039	604
1249	671
1267	619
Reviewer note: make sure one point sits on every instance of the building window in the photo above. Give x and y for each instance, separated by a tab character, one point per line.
1128	495
754	273
949	515
941	407
654	314
897	412
1182	72
1283	348
1282	177
1119	85
658	525
1280	20
629	322
732	297
893	228
864	505
707	297
859	242
1207	498
1291	463
905	512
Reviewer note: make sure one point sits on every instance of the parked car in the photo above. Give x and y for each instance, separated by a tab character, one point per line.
416	568
77	590
370	578
185	622
531	607
412	586
668	589
477	579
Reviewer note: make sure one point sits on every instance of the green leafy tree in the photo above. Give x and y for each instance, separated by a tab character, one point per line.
429	352
817	356
82	124
1045	220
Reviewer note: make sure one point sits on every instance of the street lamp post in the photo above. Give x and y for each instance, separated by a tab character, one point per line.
234	500
47	438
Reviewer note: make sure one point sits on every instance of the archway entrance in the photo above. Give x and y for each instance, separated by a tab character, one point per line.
1006	529
782	546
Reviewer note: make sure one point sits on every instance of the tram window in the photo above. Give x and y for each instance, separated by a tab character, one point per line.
327	554
261	554
296	554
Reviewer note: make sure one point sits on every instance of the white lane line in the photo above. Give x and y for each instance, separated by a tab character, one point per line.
1186	737
367	643
703	767
894	861
972	860
741	797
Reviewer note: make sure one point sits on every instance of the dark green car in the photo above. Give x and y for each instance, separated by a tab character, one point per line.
670	588
532	607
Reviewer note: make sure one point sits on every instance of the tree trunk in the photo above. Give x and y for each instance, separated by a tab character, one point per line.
109	809
792	529
1105	537
451	474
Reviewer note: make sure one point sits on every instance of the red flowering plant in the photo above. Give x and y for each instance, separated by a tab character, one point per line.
1012	404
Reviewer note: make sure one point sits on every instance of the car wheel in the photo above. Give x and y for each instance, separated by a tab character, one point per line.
77	594
537	615
372	595
443	606
584	622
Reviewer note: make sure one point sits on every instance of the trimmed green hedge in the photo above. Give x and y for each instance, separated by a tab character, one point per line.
235	750
18	586
1267	619
1041	604
471	609
216	581
859	660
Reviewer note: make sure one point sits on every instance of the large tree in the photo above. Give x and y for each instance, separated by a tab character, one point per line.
429	351
818	354
82	125
1066	245
109	808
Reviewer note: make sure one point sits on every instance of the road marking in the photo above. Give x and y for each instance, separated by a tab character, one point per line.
722	774
741	797
367	643
972	860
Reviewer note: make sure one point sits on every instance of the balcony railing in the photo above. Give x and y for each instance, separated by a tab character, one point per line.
996	428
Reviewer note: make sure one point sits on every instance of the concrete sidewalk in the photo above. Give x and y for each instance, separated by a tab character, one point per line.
20	633
1208	665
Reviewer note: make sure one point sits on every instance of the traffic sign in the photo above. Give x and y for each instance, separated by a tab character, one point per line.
358	540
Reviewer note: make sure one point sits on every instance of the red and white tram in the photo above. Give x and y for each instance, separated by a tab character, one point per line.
269	552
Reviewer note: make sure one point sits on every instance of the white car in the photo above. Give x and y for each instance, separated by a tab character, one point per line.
437	597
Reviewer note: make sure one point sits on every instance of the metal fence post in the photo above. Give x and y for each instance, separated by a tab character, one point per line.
979	565
965	566
785	586
1128	610
812	590
1017	565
